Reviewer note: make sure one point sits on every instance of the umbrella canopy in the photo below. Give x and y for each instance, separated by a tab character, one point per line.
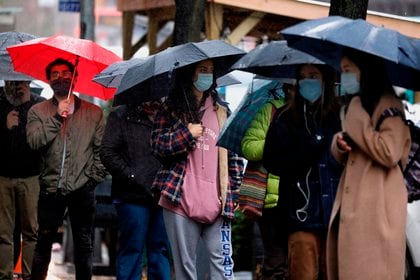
260	92
227	80
155	71
111	76
326	38
6	67
32	57
275	60
145	93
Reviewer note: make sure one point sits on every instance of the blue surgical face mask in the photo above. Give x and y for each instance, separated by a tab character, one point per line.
349	83
203	82
310	89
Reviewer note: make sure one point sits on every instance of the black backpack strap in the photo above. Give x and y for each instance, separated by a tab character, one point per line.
390	112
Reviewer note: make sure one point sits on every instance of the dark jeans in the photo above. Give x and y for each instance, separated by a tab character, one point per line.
81	210
142	227
274	237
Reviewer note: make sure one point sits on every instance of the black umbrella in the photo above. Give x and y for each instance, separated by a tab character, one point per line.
111	76
327	38
155	72
227	80
274	60
7	71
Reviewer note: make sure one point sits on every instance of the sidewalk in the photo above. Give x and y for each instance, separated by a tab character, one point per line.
65	271
60	271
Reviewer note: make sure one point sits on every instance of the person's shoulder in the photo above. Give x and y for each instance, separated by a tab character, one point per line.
277	102
89	105
164	109
390	100
223	105
119	111
42	104
37	98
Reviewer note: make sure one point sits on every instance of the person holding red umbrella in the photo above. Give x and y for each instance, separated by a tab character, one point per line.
68	132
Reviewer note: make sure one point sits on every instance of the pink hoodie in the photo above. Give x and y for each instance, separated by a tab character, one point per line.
200	191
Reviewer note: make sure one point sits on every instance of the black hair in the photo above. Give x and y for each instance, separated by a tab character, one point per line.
181	100
58	61
374	79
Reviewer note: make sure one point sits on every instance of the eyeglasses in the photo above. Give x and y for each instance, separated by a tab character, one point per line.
63	74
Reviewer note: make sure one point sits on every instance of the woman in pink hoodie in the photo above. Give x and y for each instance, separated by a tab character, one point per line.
198	181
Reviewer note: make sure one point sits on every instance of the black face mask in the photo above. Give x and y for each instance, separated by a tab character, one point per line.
61	86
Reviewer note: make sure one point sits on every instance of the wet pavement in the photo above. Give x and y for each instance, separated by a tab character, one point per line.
65	271
58	270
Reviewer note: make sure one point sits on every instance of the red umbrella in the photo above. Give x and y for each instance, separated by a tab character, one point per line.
33	56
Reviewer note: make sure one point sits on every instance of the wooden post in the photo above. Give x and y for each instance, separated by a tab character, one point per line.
127	33
244	28
152	30
214	21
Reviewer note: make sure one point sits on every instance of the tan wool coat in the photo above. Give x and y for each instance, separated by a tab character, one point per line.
366	237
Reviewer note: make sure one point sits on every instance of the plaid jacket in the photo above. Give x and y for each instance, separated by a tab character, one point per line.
171	142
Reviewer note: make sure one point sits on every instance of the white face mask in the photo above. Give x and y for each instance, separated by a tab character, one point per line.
349	83
204	81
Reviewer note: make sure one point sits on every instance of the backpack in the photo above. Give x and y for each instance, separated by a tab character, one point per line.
412	170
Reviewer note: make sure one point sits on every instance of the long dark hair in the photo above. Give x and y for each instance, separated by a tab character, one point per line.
181	100
374	79
327	103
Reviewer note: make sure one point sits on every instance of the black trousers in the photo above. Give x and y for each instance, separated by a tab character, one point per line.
81	210
274	237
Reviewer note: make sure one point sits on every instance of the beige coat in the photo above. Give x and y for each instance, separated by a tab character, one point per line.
366	238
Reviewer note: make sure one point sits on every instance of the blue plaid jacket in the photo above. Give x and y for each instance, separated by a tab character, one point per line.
171	142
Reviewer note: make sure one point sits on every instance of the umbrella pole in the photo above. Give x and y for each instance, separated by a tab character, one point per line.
73	77
188	105
63	158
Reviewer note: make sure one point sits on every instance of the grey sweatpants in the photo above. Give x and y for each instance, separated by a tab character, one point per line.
184	234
